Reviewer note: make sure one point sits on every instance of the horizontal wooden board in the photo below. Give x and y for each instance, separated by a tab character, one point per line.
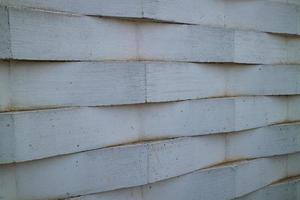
40	35
219	183
286	189
38	134
269	16
34	85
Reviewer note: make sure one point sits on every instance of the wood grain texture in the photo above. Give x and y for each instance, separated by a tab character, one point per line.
267	15
223	182
34	85
37	134
40	35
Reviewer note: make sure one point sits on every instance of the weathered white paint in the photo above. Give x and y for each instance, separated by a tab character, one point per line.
269	16
223	182
37	134
40	35
31	85
287	189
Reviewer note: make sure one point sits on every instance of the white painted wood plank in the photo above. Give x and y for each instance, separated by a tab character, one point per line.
38	134
38	35
287	190
258	15
223	182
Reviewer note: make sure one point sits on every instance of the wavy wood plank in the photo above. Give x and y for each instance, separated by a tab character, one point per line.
269	16
40	35
37	134
33	85
223	182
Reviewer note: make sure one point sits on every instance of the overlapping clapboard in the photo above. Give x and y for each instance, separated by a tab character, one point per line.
137	99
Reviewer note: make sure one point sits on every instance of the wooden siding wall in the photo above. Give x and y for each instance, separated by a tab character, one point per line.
149	99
